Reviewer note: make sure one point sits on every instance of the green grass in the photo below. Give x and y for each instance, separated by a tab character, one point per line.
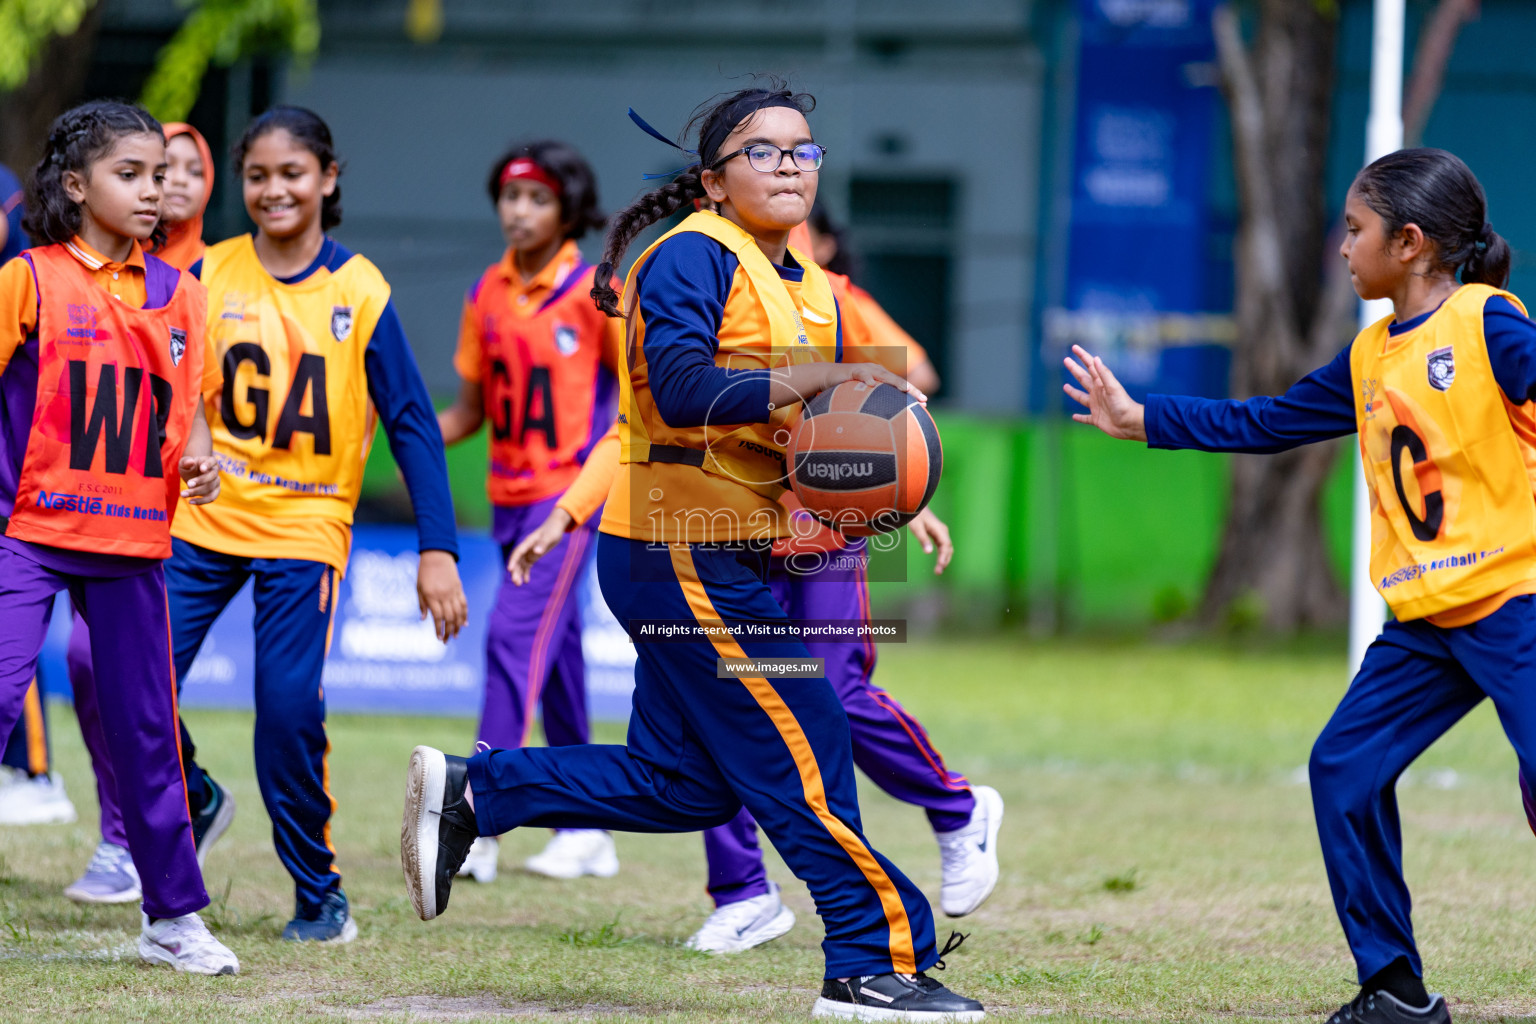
1159	864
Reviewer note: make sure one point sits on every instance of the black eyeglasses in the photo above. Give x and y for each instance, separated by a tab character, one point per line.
766	157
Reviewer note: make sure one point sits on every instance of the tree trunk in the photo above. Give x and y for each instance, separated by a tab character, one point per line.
1295	305
1290	317
1437	39
56	82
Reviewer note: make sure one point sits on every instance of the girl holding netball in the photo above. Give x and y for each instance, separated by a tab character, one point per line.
817	574
728	331
101	371
538	360
1441	394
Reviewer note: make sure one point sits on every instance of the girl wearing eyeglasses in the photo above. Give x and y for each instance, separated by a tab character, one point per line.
728	330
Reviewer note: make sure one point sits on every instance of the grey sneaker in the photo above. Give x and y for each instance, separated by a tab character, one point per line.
109	878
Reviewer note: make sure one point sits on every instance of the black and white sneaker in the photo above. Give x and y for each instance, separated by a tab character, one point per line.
898	997
213	820
438	828
1385	1008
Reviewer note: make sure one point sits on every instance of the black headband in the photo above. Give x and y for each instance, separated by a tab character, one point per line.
740	109
735	114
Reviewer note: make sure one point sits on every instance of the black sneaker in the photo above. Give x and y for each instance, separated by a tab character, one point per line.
214	819
438	828
1385	1008
900	997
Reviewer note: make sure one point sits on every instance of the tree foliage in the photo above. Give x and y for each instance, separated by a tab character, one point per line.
26	27
222	32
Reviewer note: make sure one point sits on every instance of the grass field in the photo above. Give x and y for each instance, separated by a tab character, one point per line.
1159	864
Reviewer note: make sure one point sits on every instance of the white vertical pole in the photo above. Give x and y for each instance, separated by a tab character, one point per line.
1383	135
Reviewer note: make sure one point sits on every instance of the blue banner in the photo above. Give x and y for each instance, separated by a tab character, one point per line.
1146	286
384	659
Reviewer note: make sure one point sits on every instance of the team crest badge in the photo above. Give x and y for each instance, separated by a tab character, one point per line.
178	345
1442	369
565	339
341	322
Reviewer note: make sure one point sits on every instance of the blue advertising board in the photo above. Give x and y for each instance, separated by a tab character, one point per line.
1139	285
384	659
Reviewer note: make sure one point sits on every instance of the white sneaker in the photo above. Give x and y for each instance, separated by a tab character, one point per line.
35	801
746	923
185	944
970	855
481	862
576	852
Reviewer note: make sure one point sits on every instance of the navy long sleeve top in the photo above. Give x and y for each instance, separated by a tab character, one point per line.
684	286
1322	404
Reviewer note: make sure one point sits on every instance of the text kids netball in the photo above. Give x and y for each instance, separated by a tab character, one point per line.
1441	394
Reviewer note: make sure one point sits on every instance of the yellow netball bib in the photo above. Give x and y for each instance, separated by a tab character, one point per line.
292	424
718	482
1453	520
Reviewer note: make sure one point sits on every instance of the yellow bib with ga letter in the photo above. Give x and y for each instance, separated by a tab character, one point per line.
729	491
1453	519
293	421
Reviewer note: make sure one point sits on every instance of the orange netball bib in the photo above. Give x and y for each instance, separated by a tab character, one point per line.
541	370
117	388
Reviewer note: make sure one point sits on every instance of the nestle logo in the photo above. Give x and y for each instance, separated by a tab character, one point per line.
837	470
761	449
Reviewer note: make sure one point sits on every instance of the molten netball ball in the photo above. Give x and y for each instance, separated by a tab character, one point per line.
864	459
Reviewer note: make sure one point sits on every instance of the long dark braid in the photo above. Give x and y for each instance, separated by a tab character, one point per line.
714	120
655	205
77	138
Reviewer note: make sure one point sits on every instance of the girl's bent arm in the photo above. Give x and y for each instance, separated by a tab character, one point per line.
683	290
199	470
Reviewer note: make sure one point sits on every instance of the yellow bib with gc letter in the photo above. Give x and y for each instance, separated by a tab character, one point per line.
1453	519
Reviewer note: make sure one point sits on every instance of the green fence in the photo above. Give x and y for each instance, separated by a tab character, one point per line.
1054	524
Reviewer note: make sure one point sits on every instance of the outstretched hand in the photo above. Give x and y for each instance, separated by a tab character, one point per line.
1110	407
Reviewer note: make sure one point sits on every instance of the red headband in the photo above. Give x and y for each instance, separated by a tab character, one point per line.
527	170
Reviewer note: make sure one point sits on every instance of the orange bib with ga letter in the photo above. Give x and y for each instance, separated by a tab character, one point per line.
117	389
541	372
1453	519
